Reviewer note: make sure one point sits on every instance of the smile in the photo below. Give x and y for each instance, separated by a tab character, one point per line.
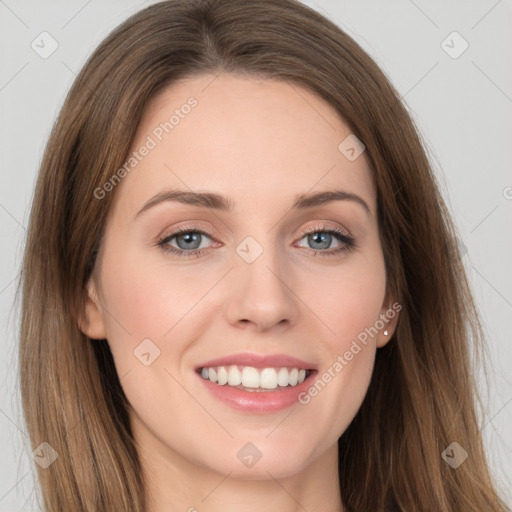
256	383
254	379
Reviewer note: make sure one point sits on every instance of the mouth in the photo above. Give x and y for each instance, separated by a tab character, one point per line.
257	384
252	379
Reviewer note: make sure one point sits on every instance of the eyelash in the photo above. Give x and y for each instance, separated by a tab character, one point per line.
348	241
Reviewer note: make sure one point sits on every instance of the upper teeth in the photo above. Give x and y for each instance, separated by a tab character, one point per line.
250	377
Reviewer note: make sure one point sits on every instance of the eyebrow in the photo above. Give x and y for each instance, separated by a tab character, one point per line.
222	203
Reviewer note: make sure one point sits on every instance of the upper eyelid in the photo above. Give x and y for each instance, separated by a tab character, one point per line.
324	226
187	229
312	229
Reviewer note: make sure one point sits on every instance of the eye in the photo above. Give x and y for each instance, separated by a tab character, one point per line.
189	241
320	238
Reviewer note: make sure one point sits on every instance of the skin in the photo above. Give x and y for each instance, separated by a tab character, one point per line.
260	143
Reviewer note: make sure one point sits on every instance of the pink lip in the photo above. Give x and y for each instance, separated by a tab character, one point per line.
258	402
255	401
259	361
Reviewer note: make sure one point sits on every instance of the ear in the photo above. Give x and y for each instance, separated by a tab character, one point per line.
91	320
389	317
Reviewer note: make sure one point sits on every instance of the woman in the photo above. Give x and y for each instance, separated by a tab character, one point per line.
254	369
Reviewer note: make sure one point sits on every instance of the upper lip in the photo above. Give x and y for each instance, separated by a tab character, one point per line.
259	361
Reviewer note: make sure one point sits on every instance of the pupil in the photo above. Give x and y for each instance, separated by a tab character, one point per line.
325	239
188	238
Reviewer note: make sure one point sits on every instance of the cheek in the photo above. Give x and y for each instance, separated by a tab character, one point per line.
350	306
148	300
351	303
337	392
150	322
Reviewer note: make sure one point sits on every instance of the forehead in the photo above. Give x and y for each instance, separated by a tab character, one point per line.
257	139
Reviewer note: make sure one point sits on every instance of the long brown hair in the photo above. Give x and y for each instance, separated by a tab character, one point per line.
422	394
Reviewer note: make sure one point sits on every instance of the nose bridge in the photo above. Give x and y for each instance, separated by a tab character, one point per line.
259	291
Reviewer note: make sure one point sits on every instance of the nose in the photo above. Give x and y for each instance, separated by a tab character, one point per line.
261	294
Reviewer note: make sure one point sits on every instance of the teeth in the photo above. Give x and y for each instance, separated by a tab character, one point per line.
222	375
283	377
250	377
254	378
268	378
234	376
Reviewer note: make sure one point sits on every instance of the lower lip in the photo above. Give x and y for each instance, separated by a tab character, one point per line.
257	401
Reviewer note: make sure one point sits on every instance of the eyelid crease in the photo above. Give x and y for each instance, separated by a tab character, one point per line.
321	226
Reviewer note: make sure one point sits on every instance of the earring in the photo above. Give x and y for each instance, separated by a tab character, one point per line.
385	333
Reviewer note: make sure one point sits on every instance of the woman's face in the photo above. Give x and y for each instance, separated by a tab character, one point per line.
278	277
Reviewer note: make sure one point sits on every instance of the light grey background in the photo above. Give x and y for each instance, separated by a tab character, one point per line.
462	106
